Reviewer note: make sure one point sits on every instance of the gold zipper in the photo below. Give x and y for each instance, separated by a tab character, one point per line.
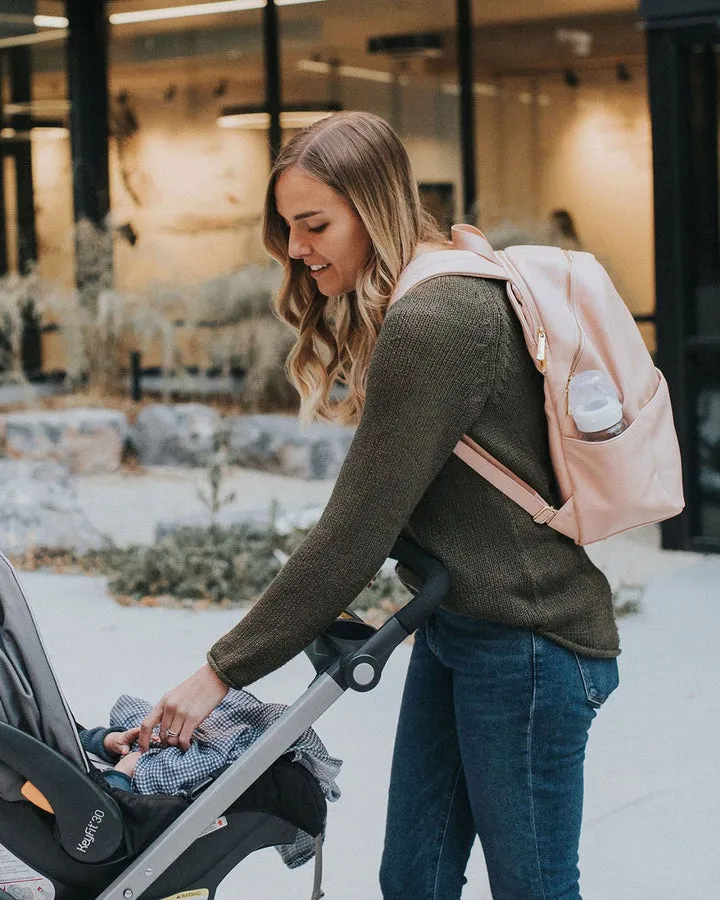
541	341
577	356
540	335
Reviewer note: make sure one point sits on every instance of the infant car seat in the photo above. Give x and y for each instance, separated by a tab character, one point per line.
89	840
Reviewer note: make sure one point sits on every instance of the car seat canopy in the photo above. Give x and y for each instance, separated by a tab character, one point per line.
30	696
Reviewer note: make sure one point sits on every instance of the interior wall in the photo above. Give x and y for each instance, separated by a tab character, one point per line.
52	174
599	164
192	191
542	145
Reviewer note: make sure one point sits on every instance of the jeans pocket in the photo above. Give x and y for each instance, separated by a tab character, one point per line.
599	677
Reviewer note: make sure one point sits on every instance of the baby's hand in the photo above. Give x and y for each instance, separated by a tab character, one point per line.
128	762
118	743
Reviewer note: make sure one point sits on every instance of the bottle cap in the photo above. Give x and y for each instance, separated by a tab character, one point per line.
593	402
597	415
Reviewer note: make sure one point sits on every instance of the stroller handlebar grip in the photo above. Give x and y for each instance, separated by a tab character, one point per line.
361	669
435	583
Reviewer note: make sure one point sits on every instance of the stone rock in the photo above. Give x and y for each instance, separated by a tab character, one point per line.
278	443
84	439
39	508
285	520
182	434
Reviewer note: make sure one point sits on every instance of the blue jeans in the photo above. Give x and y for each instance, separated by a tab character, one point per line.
491	742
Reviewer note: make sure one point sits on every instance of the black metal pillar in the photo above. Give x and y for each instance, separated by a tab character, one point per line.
3	220
668	78
464	30
273	99
87	89
21	92
20	64
705	165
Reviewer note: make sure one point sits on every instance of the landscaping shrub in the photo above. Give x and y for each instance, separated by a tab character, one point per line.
219	565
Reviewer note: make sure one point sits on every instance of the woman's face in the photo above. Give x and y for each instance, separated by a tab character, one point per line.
325	231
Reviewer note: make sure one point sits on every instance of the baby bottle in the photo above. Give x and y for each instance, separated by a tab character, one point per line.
594	405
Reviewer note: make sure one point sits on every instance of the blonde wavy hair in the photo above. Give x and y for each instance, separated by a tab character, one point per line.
360	157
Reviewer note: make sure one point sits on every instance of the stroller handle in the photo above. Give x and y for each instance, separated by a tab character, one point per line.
354	653
435	583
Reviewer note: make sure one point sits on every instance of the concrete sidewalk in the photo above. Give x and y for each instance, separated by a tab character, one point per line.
126	506
653	787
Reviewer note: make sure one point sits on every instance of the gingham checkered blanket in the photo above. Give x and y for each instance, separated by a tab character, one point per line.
225	735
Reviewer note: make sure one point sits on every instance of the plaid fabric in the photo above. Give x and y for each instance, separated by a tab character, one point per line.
223	737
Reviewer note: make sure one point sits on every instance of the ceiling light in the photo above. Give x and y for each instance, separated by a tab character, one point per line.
49	132
480	88
258	118
571	78
314	65
38	130
197	9
52	107
622	73
50	22
34	37
579	42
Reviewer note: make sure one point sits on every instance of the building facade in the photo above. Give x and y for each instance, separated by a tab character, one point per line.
509	115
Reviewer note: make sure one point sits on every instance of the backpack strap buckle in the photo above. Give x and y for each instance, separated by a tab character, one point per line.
545	516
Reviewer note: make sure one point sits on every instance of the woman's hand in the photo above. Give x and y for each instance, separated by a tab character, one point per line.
118	743
183	708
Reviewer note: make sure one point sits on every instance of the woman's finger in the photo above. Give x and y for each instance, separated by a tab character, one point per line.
171	736
170	714
185	737
148	724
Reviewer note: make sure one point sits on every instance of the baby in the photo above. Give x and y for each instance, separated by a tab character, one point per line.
113	746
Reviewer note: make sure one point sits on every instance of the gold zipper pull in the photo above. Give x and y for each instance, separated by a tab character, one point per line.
541	339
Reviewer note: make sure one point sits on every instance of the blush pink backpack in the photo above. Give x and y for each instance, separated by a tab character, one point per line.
574	320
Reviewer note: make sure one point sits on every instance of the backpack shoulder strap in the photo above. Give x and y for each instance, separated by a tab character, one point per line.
504	480
445	262
471	254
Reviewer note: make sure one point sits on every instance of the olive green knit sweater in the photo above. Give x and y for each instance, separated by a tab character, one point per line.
450	359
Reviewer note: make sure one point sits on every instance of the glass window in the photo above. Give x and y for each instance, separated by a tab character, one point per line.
186	192
34	140
400	64
707	445
563	126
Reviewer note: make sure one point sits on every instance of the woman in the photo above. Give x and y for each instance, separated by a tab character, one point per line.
505	679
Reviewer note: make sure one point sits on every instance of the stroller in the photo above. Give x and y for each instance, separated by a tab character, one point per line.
84	839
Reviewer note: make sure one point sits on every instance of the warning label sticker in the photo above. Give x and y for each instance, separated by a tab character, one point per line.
218	823
185	895
19	881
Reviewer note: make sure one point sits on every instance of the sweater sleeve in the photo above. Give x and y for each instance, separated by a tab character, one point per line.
93	741
433	367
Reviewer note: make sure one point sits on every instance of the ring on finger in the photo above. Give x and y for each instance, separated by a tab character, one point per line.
172	733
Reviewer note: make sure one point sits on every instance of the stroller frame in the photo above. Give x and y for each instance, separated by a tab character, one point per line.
224	790
348	654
